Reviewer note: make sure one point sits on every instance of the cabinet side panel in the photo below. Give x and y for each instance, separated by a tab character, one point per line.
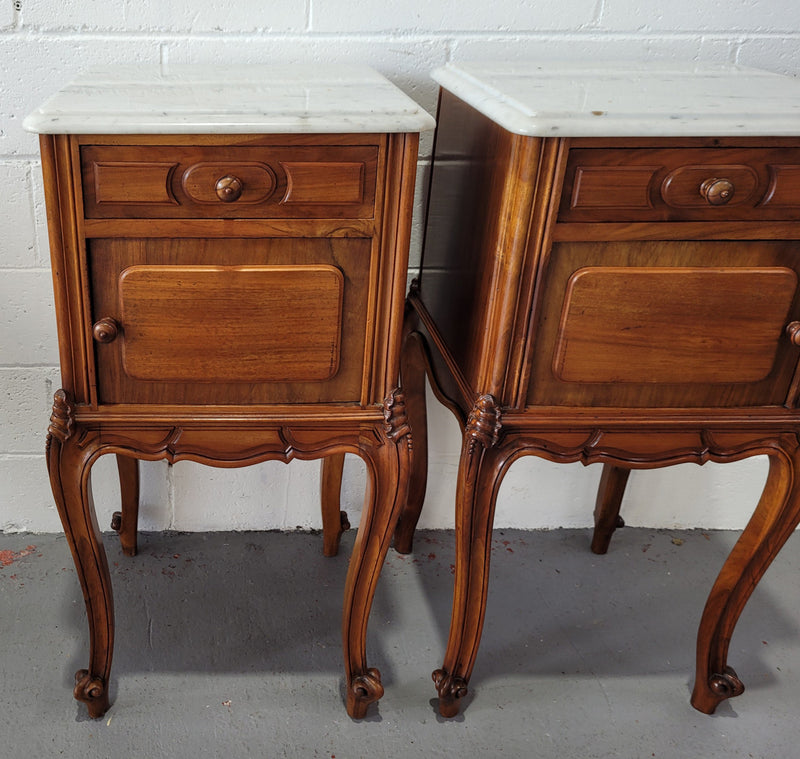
65	244
452	266
482	191
391	264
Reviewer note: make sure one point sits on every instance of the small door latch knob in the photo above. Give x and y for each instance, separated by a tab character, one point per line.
105	330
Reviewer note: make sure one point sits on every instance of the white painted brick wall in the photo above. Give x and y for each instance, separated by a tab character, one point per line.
8	14
44	43
454	16
17	217
166	16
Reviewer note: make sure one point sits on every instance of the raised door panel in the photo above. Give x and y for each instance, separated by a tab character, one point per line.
667	325
220	323
677	324
231	321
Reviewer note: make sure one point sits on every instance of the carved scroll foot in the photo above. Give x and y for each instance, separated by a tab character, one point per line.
727	684
363	690
92	692
451	690
720	687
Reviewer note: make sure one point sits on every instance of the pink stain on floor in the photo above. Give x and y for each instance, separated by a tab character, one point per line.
7	558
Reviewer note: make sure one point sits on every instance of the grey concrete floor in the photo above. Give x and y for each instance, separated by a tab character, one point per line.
228	646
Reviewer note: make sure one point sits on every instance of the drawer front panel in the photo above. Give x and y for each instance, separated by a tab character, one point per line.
687	184
229	182
676	324
231	324
230	321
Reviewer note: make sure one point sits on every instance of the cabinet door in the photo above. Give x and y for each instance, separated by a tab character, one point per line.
206	321
673	323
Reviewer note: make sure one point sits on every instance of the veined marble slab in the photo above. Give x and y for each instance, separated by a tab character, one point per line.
229	99
613	99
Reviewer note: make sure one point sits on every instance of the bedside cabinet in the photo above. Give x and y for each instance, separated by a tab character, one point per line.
611	275
229	252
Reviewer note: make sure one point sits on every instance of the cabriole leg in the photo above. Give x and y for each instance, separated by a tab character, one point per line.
387	462
479	475
69	462
609	501
774	520
126	521
412	372
334	520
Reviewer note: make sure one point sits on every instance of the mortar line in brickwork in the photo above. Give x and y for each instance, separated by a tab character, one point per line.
412	34
18	269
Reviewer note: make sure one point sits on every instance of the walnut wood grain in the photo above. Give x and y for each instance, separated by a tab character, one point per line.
248	329
692	325
303	343
65	238
774	520
413	364
226	324
606	511
705	363
676	230
275	181
69	464
582	300
672	183
461	187
228	228
334	519
126	521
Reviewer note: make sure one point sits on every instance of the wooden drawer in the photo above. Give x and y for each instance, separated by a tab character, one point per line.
681	184
163	181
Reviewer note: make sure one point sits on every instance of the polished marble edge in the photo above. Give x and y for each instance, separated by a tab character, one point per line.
627	99
247	99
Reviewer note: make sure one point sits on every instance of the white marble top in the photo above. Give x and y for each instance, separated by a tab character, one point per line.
597	99
229	99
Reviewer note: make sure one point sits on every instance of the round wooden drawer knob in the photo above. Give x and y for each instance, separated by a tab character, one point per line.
793	331
717	192
229	188
105	330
